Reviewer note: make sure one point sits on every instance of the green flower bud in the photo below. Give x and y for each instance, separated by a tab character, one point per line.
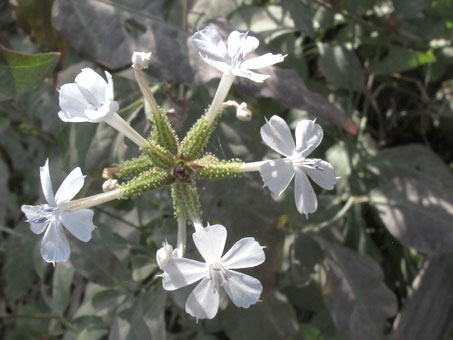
210	167
134	167
186	203
160	157
163	134
146	181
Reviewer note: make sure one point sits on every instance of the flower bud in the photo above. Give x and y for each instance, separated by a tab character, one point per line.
109	185
164	255
140	60
243	113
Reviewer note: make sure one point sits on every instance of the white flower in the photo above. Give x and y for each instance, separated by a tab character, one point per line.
212	49
49	217
141	60
89	99
278	174
216	272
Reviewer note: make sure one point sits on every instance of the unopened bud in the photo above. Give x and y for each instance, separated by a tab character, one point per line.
164	255
140	60
243	113
109	185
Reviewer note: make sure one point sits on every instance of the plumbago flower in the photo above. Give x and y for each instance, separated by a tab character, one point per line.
51	216
212	49
216	272
277	174
90	99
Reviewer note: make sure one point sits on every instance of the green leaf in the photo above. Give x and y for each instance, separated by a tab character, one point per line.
107	299
142	266
341	67
356	295
20	72
301	14
61	289
400	59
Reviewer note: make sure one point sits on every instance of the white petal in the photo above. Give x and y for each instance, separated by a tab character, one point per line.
220	65
109	93
72	104
210	44
256	77
35	216
277	135
308	136
265	60
79	223
180	272
321	172
46	183
70	186
54	245
244	253
203	302
304	194
250	45
92	86
242	289
210	242
241	43
101	113
277	175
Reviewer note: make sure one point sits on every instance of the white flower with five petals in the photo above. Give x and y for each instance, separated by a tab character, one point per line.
216	272
212	49
89	99
277	174
51	216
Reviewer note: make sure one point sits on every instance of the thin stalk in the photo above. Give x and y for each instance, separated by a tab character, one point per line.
249	167
118	123
146	91
182	236
222	90
92	201
197	224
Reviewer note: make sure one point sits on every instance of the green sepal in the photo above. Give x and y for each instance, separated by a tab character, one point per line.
159	156
146	181
134	167
210	167
186	203
197	138
163	134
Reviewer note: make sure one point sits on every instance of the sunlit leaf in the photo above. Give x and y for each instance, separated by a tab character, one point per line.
400	59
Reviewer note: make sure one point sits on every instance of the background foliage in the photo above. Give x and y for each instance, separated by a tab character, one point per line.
374	262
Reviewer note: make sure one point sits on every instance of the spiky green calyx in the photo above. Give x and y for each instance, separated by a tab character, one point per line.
163	134
210	167
197	138
186	203
159	156
146	181
134	167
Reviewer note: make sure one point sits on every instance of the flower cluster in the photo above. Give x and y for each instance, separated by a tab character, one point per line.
165	160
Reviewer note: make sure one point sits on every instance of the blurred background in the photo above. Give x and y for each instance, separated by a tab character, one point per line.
374	262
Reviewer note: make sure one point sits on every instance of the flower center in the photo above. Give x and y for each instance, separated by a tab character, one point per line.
46	213
218	275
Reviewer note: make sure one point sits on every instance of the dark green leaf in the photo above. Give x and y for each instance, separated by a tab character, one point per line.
400	59
301	14
61	289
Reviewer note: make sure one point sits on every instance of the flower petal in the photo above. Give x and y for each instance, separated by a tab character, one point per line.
70	186
102	113
304	194
220	65
35	216
109	93
180	272
210	242
203	302
308	136
46	183
277	175
72	104
256	77
210	44
244	253
242	289
54	245
321	172
92	86
277	135
240	44
264	60
79	223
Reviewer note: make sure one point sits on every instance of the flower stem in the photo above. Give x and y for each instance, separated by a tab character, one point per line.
197	224
249	167
222	90
181	240
118	123
92	201
146	91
